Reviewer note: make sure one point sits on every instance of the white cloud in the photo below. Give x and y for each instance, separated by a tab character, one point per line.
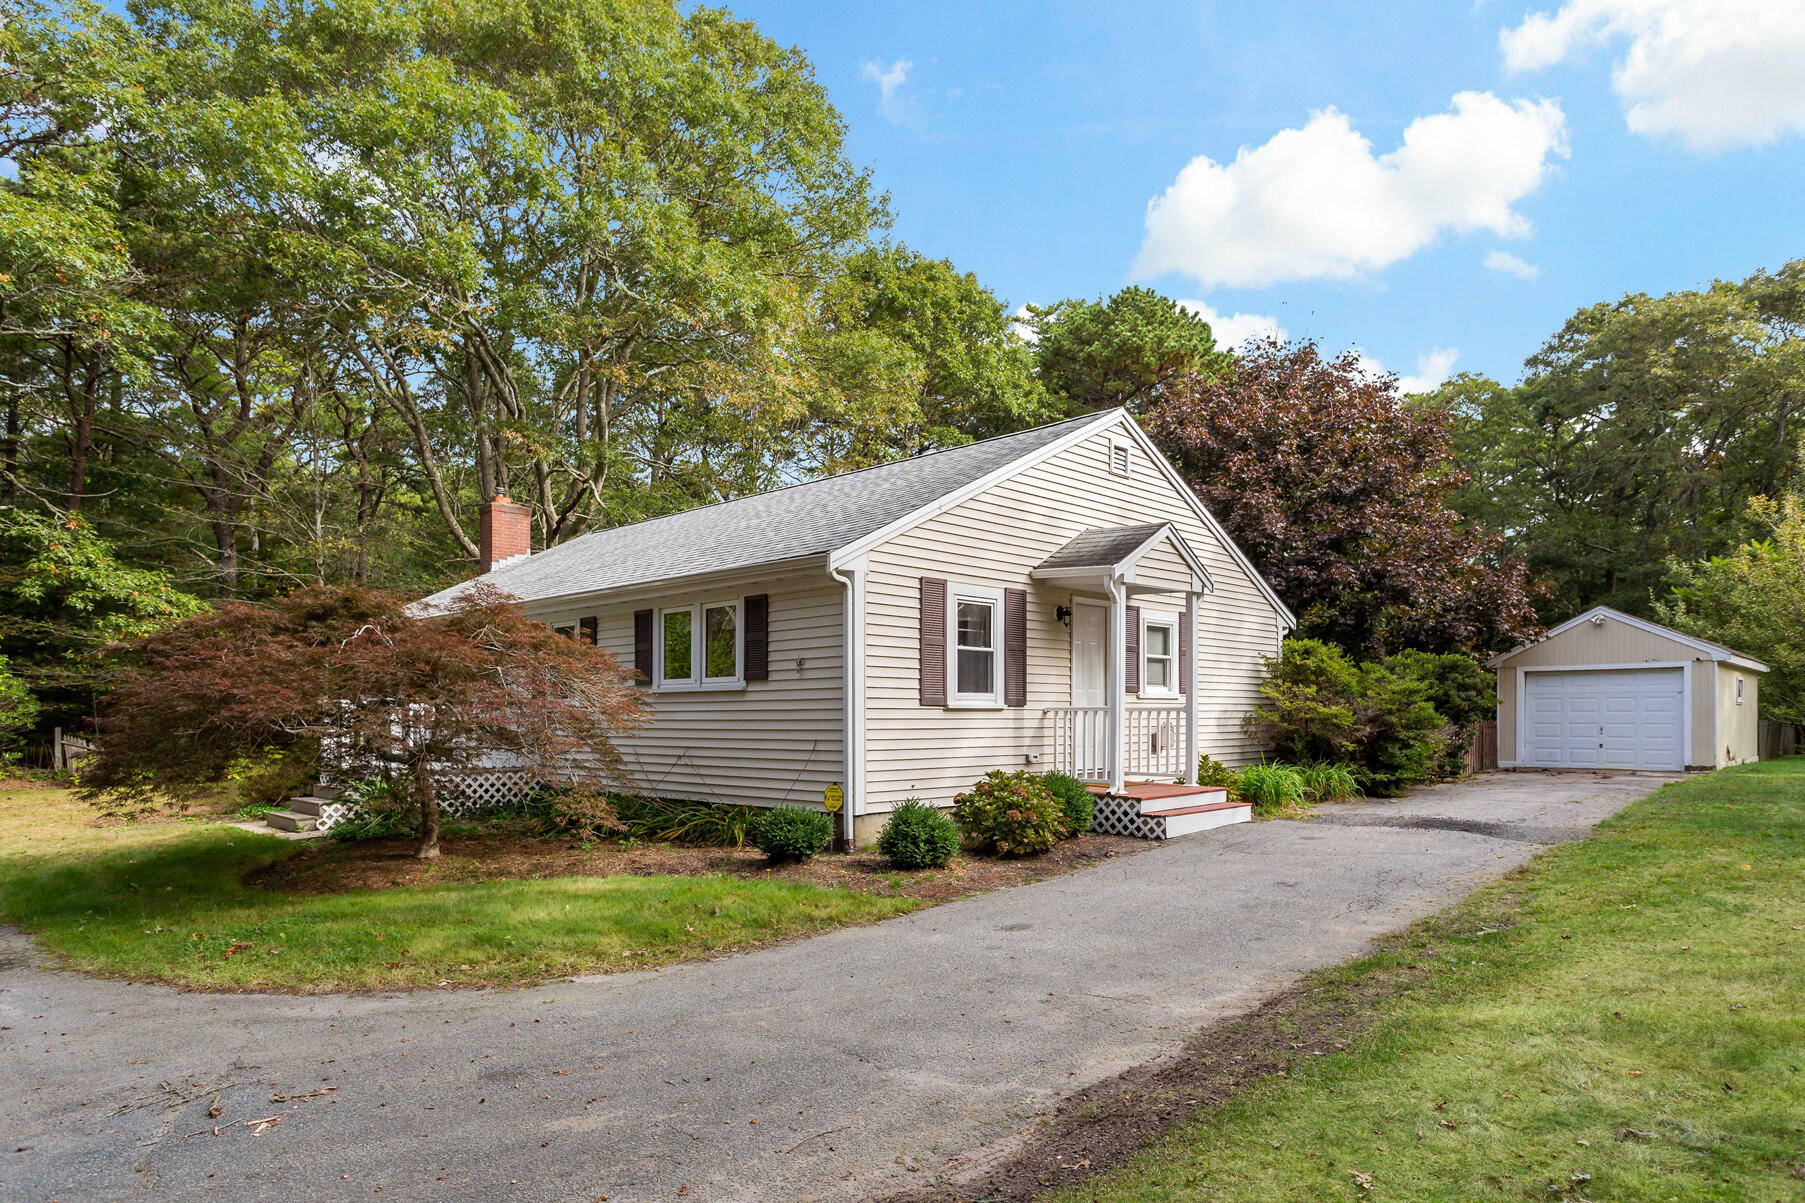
1432	369
1234	330
1021	328
892	103
1317	203
1712	73
1510	265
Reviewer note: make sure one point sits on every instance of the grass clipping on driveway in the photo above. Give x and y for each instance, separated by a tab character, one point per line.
166	903
1621	1019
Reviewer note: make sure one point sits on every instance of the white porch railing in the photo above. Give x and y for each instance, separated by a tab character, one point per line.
1154	739
1081	741
1156	743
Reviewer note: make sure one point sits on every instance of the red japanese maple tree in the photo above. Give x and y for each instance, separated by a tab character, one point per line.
1338	492
415	698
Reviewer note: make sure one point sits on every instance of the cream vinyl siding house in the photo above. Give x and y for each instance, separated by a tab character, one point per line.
899	631
781	739
999	536
1609	690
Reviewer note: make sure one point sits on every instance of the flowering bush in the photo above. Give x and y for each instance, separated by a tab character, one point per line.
1013	814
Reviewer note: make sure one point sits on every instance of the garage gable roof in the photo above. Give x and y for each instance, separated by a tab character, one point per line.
1711	651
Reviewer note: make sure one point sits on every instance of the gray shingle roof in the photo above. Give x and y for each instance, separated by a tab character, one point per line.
812	518
1102	546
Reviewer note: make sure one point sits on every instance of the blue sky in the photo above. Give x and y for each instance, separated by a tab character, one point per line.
1605	146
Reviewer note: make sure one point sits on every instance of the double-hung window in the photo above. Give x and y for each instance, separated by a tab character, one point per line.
1159	654
974	659
699	646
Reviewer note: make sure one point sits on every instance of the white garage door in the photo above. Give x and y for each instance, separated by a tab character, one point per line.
1611	719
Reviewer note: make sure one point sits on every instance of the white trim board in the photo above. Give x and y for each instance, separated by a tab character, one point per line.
1713	651
1106	421
1685	667
1124	568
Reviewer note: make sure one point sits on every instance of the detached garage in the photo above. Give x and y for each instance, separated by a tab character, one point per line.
1610	691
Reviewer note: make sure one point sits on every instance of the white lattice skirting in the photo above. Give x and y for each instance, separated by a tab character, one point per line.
465	794
1122	816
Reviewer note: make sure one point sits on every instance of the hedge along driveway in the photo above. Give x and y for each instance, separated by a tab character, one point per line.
168	903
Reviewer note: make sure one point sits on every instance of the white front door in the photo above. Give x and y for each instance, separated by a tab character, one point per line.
1610	718
1090	688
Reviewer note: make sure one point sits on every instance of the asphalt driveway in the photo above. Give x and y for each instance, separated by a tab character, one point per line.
829	1068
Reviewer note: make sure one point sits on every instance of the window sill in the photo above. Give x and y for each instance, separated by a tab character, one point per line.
976	704
704	687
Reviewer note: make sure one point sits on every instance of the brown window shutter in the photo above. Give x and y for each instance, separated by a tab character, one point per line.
1184	656
1015	647
758	637
642	646
586	628
1131	655
933	641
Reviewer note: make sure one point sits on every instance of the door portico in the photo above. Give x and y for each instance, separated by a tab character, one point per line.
1118	724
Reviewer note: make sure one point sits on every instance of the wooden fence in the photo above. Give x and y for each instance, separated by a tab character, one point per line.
67	751
1779	739
1483	755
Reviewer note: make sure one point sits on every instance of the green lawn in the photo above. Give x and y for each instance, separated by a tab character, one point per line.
1623	1019
165	902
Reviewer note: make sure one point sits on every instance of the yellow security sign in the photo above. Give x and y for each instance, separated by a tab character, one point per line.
833	797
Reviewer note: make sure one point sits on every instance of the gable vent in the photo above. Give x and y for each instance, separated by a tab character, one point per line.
1118	459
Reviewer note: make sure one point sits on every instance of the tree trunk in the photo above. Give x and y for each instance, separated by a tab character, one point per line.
427	798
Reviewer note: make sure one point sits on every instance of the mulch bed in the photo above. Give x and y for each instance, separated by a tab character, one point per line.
329	868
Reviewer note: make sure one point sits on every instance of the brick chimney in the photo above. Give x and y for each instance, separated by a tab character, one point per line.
507	533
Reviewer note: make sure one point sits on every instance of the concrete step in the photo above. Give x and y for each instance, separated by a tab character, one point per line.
291	820
324	790
1188	820
306	806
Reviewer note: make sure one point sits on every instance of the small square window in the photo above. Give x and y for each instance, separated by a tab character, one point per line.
699	646
1159	654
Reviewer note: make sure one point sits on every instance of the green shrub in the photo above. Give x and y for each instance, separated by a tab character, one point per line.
364	824
18	713
1462	690
383	810
1080	808
1329	782
1321	706
1271	788
269	777
1218	775
918	836
792	832
1012	814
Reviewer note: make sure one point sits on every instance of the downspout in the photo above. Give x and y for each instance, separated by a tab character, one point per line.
852	732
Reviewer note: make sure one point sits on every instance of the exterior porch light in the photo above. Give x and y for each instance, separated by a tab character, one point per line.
1063	614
